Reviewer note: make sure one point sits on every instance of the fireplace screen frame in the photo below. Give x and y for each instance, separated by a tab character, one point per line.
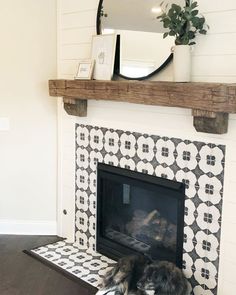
114	250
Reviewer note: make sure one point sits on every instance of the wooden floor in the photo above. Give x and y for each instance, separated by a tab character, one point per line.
21	274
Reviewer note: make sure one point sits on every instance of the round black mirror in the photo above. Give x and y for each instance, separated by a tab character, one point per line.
143	51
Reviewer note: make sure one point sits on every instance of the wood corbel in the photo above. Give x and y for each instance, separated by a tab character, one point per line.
75	106
210	122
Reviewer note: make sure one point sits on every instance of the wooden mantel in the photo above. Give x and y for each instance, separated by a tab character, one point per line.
211	103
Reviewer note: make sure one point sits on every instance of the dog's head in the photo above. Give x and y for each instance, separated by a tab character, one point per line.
148	280
163	278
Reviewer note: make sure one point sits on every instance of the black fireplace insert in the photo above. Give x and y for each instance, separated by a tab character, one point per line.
139	213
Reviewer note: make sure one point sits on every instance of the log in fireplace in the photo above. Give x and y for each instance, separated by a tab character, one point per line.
139	213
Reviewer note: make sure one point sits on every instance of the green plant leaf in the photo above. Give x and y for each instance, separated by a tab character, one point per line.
171	13
183	22
194	5
172	33
176	8
165	35
198	22
203	32
166	23
191	35
194	12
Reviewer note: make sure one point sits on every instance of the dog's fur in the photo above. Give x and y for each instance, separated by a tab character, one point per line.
136	275
164	278
126	273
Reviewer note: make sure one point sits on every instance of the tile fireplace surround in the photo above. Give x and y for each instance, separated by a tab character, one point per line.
199	165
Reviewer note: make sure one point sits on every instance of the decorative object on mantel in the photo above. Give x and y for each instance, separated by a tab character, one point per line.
85	69
184	23
182	63
211	102
103	52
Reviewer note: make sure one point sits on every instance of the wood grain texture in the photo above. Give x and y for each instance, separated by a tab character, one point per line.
212	97
201	113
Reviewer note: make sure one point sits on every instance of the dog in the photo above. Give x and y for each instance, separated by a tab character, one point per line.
137	275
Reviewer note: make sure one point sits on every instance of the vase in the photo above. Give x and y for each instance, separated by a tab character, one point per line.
182	63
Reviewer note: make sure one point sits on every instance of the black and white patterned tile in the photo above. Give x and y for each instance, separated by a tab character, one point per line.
87	265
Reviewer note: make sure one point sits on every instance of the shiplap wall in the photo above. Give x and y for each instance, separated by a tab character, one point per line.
214	60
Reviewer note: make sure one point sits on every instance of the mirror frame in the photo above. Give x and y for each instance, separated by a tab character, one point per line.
116	69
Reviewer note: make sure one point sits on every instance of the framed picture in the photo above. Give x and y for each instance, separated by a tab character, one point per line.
85	69
103	52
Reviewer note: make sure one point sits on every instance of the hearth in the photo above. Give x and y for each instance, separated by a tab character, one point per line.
139	213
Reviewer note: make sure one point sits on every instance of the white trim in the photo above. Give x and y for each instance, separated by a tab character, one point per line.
28	227
59	136
65	223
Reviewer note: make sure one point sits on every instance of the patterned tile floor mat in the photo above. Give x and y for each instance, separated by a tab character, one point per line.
86	265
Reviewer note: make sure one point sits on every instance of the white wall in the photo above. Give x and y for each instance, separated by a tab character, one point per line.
214	60
28	150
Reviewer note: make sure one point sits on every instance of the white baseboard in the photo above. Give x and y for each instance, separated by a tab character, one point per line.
28	227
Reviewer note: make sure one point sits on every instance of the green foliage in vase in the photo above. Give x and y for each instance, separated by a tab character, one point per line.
184	23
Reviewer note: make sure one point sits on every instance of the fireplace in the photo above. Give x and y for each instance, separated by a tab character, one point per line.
199	165
139	213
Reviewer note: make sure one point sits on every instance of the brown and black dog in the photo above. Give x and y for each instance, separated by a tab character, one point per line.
137	275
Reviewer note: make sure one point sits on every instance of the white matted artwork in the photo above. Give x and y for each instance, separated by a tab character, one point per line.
103	52
85	69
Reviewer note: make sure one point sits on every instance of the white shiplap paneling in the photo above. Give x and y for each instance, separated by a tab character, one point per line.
71	6
75	51
210	44
216	5
77	36
222	65
79	19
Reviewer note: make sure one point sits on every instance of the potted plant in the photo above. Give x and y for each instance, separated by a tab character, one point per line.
184	24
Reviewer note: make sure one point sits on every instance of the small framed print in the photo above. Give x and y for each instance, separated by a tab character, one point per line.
85	69
103	52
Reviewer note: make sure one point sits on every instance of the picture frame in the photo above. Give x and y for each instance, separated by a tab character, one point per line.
85	70
103	52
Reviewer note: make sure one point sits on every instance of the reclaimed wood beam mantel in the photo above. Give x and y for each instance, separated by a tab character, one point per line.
211	102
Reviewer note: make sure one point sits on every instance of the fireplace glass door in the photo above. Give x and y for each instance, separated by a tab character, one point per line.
139	213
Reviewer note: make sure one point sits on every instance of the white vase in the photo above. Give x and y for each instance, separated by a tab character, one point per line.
182	63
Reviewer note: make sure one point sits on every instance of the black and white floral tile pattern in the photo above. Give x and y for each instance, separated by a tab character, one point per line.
87	265
199	165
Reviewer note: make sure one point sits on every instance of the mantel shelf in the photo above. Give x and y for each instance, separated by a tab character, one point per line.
211	102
